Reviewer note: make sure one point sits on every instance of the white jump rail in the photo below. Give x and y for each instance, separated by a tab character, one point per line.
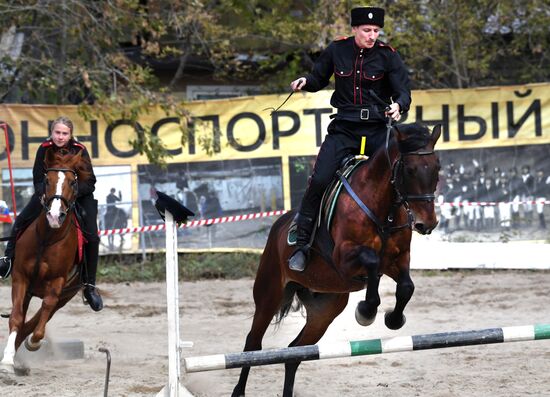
174	388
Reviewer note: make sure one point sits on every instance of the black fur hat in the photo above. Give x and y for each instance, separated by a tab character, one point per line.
367	16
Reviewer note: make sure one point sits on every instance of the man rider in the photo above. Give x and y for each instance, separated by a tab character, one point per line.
362	65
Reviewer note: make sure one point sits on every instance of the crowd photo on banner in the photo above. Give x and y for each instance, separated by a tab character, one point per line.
495	190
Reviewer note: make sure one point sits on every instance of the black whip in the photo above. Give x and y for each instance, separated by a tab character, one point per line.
281	105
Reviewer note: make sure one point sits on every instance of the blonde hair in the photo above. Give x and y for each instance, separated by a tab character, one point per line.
62	120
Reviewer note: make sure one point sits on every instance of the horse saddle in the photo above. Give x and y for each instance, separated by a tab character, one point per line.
329	199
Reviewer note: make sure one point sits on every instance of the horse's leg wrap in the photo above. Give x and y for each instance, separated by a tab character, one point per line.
9	353
366	310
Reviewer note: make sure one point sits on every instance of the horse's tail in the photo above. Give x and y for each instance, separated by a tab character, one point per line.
293	294
293	297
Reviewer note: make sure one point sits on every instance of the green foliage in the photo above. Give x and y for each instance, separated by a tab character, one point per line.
97	53
467	43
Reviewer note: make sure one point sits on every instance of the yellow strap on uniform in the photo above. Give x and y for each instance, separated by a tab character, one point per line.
363	144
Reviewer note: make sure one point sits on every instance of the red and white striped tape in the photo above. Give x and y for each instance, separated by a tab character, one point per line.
257	215
202	222
490	203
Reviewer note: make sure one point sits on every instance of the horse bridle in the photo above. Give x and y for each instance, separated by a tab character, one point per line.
46	202
397	178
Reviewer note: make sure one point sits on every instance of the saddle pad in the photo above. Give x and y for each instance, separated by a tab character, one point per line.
292	234
330	197
81	239
328	201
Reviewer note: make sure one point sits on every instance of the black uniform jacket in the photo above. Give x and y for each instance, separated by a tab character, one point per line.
39	168
359	70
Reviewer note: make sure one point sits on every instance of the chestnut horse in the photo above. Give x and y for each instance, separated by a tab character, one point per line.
46	256
394	192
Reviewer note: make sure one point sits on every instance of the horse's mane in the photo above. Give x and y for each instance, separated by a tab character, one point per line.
65	159
417	136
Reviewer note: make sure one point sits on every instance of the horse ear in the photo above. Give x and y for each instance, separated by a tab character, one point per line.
49	158
75	161
436	133
77	157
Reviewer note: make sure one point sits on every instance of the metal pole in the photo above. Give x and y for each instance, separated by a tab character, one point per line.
107	373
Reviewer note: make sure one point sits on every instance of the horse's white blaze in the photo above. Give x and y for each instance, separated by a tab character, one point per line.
55	209
9	351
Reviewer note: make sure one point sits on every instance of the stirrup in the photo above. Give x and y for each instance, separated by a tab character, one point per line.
5	267
299	258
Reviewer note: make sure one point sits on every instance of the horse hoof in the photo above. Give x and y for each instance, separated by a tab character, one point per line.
6	368
30	346
361	318
21	370
391	323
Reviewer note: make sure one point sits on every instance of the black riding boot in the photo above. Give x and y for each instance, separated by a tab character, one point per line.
304	227
90	291
6	261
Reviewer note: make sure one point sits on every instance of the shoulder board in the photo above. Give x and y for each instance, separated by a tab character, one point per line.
340	38
47	143
79	145
384	45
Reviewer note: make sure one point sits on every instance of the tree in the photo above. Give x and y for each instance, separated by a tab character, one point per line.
100	54
467	43
80	52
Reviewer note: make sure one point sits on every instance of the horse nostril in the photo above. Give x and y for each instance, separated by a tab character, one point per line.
422	228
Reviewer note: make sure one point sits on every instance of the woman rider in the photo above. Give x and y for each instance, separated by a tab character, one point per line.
62	139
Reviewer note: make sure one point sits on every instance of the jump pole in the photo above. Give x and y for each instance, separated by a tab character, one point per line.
367	347
174	388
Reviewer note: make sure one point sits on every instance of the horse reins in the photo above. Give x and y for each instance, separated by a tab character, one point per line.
402	199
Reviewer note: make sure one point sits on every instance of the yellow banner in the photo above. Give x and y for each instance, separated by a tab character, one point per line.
242	128
281	145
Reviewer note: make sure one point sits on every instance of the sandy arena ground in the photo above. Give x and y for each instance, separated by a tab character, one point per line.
216	315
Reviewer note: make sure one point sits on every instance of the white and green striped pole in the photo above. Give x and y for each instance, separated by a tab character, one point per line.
366	347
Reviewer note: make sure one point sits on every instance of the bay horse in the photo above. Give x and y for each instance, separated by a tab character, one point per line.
372	232
47	255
